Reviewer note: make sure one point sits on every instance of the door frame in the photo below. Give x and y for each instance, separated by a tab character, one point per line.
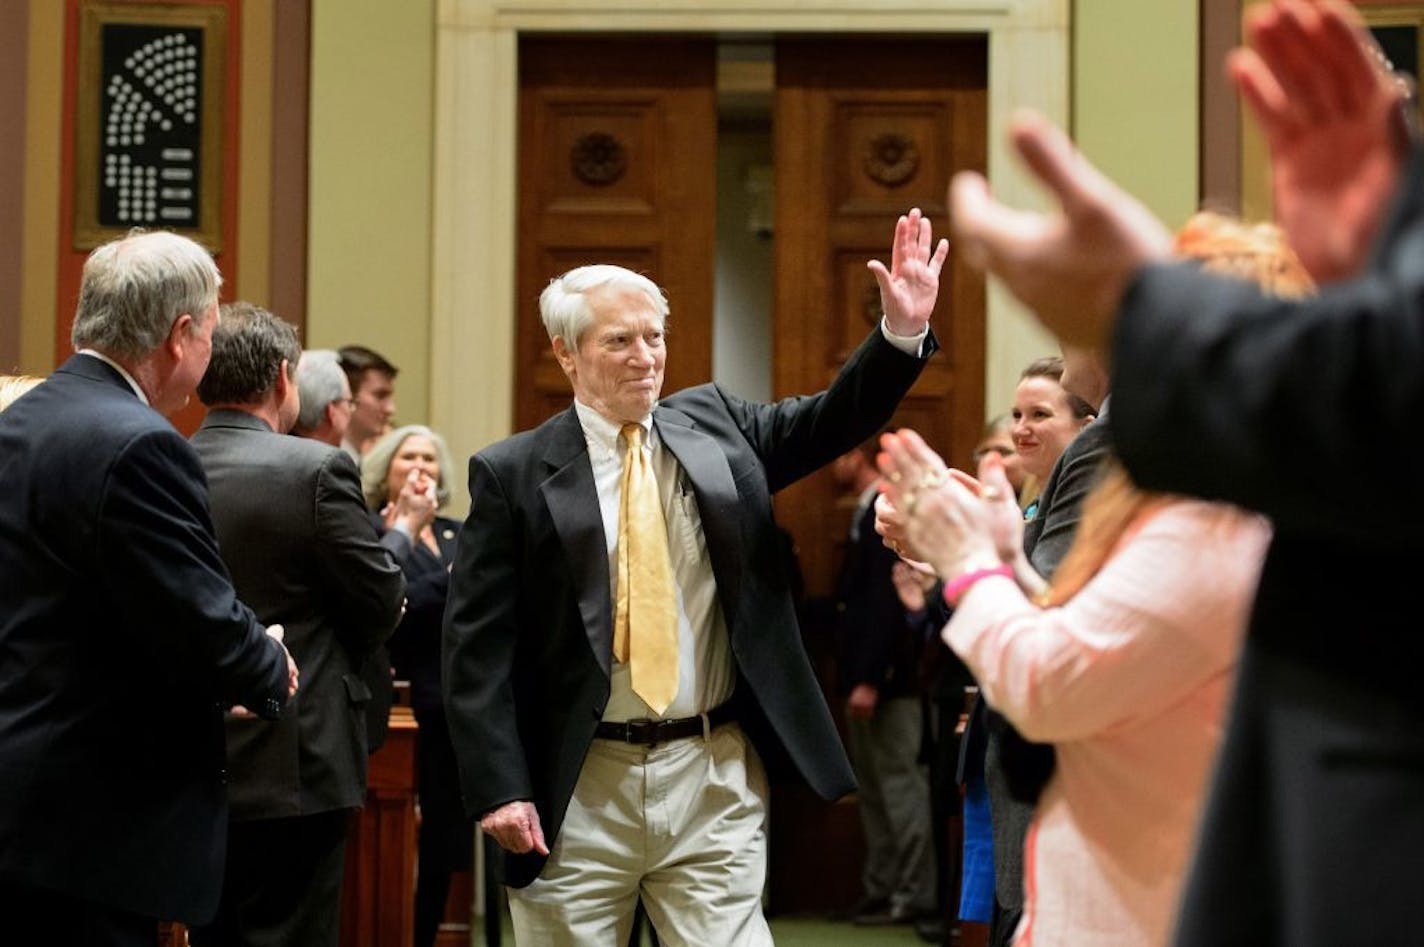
472	355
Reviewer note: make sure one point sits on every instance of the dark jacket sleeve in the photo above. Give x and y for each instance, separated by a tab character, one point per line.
1279	406
367	587
164	572
478	650
798	435
1078	472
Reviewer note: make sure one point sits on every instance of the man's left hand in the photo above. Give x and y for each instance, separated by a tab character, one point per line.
909	288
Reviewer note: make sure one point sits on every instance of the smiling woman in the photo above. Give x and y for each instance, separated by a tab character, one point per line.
1046	417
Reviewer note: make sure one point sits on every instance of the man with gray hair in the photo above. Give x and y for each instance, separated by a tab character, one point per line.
294	531
325	413
620	619
325	395
121	638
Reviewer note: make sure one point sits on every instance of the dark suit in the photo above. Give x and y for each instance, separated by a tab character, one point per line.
121	640
1315	828
293	528
991	746
879	648
446	833
529	628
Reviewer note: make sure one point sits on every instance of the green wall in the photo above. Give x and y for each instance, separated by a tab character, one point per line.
372	128
1135	97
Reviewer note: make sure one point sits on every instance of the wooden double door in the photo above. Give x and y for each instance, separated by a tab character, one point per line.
618	164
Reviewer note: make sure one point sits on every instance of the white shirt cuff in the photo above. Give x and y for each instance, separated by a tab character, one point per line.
909	344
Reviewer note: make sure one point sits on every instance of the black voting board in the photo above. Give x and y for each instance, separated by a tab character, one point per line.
150	144
149	120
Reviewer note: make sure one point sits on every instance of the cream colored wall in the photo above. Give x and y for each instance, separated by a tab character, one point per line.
1134	114
371	167
1134	105
1135	100
44	84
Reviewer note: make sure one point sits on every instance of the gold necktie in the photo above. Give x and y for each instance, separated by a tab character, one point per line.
645	618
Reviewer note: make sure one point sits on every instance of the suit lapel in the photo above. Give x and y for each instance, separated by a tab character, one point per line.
572	499
705	464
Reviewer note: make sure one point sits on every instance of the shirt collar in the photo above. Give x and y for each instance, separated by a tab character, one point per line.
95	353
599	430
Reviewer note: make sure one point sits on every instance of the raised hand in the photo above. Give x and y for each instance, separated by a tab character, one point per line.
1332	118
1071	268
909	288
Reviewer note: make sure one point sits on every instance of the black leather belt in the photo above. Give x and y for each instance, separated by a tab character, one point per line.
648	732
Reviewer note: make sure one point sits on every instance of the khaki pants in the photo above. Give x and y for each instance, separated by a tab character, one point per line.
683	825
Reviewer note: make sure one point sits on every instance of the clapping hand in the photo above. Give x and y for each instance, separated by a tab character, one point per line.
946	521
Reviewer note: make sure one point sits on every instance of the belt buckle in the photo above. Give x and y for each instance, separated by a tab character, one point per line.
644	730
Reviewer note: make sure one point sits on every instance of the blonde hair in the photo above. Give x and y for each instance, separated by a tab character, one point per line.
12	386
1255	252
1117	506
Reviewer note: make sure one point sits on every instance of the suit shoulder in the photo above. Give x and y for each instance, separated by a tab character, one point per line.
520	447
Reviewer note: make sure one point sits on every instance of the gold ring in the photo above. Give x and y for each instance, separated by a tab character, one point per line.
894	476
989	494
908	502
934	479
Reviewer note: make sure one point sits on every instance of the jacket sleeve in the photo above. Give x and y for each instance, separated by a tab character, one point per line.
1080	470
367	589
1279	406
1164	614
798	435
478	650
165	574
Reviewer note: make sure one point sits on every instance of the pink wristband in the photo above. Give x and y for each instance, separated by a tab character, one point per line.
956	588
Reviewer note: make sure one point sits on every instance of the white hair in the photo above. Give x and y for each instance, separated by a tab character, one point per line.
134	289
564	303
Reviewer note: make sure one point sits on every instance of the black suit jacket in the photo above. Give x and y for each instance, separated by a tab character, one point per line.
529	627
121	640
877	644
293	530
1306	412
415	646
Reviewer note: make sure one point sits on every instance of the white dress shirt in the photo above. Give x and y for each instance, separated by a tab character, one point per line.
705	672
95	353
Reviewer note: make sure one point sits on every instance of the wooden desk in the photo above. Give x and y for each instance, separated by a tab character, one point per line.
378	899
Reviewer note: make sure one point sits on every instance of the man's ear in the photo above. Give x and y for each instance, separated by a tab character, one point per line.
284	380
178	335
564	356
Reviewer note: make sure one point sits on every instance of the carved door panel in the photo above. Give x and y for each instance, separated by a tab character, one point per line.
617	164
866	129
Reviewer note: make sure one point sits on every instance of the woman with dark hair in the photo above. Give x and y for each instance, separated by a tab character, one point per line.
417	455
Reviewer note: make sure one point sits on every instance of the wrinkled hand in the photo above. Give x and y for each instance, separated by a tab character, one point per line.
415	505
1332	118
1006	521
515	826
909	288
911	585
276	633
1072	267
860	705
279	634
946	521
